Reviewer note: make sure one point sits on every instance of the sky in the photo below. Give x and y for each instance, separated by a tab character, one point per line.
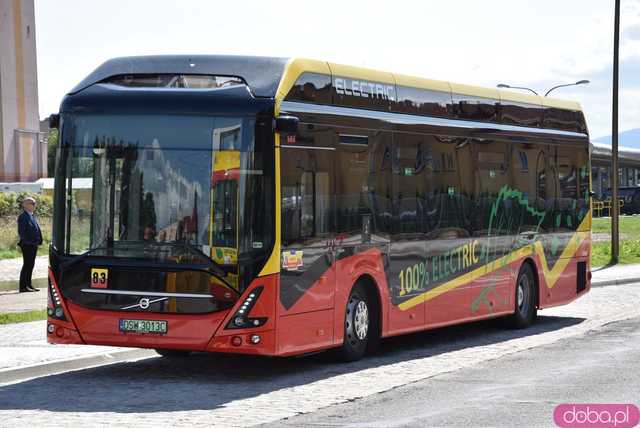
532	43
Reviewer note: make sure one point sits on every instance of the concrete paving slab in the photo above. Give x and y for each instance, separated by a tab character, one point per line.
13	301
25	345
10	268
616	275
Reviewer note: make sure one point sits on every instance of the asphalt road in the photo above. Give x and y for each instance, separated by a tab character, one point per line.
518	390
476	374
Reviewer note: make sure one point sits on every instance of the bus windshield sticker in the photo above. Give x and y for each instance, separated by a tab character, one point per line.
99	278
292	260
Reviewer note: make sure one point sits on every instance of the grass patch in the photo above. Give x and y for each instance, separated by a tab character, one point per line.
9	237
16	317
629	225
629	246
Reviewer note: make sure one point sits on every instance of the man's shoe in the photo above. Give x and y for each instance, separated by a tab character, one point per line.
30	288
27	290
23	290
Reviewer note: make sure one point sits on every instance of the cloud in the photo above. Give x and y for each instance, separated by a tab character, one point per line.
596	97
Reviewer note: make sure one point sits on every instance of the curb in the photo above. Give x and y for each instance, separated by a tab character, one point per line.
615	281
12	375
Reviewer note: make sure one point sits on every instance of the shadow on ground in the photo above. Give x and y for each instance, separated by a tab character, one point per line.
14	285
208	381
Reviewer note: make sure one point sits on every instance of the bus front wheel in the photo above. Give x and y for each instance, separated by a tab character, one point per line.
357	325
525	299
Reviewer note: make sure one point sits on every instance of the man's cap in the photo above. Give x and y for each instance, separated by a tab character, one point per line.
28	199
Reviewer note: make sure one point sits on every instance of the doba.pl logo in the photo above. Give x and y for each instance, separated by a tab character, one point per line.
596	415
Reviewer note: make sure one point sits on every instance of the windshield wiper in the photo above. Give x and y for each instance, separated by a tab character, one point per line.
191	248
87	253
213	267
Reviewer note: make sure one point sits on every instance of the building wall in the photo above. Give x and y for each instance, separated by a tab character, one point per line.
628	175
22	154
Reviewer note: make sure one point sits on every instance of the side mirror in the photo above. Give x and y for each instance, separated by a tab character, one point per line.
287	124
54	121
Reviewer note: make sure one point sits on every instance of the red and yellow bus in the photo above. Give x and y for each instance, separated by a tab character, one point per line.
278	207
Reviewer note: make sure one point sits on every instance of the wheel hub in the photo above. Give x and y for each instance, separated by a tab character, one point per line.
361	320
521	286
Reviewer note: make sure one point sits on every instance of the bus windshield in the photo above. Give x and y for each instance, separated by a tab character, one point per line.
136	186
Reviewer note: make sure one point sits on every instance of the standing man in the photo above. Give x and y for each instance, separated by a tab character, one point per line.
30	240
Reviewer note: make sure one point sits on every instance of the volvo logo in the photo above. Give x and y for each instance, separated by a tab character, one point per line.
144	303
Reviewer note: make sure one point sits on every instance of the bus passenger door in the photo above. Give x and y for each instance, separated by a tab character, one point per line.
407	273
307	278
363	214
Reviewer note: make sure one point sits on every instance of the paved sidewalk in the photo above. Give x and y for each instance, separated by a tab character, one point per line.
24	344
616	275
10	268
12	301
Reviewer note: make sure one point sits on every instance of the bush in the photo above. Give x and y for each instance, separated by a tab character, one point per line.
11	204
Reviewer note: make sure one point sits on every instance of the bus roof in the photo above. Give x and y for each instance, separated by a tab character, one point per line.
262	74
265	74
297	66
337	84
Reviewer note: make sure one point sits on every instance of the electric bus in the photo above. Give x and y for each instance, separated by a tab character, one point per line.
275	206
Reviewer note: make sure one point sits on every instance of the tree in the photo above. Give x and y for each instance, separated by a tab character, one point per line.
52	146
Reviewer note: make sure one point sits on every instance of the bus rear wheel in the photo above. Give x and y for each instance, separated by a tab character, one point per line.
357	325
173	353
525	299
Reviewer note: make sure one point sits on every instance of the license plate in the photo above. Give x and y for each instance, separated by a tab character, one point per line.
143	326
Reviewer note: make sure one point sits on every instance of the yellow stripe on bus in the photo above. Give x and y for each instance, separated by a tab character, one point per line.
551	276
272	265
467	277
294	69
297	66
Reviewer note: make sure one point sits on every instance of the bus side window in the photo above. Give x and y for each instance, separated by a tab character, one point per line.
410	186
527	209
306	189
492	181
573	183
362	181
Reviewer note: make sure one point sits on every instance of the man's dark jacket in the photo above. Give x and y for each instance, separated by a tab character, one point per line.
28	230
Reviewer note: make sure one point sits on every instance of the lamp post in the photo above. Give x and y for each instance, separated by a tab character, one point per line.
579	82
615	238
502	85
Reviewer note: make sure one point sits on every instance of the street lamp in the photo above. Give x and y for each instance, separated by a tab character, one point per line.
502	85
615	202
579	82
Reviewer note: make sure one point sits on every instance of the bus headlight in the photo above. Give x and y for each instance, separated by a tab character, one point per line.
241	318
56	302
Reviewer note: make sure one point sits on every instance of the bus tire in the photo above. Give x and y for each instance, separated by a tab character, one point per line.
525	299
173	353
357	325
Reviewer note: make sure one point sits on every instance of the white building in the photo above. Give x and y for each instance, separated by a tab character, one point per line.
23	156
